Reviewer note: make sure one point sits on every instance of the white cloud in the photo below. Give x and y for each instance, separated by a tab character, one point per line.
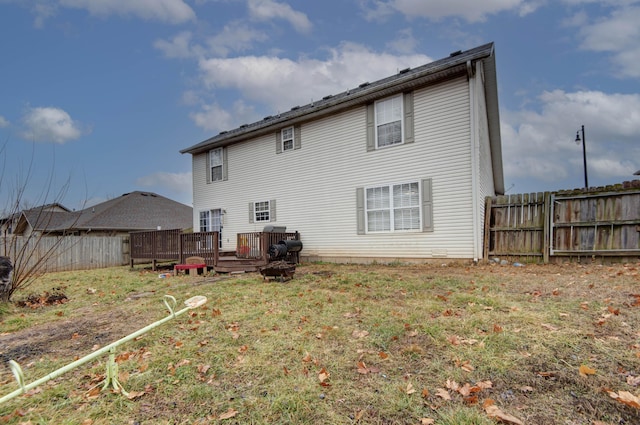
178	47
236	37
174	182
215	118
266	10
619	34
405	42
283	83
3	122
171	11
50	124
472	11
539	145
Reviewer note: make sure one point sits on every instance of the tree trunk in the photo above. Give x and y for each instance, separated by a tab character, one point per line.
6	288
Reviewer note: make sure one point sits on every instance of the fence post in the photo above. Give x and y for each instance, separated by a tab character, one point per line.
546	227
487	224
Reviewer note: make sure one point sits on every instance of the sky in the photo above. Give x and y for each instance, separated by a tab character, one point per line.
97	97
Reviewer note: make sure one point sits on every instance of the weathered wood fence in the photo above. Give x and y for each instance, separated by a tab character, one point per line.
70	252
541	227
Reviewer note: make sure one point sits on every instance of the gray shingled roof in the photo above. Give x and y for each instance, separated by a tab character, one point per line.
130	212
457	63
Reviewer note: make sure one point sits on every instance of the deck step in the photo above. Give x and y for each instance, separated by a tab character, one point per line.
238	265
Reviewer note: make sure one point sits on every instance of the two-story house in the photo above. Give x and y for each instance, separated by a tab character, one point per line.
396	169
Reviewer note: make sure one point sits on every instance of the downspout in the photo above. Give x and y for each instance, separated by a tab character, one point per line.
473	150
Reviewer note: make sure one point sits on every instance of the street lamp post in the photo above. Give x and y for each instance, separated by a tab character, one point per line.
584	155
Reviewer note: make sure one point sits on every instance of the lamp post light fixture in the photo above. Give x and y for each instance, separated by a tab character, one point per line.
584	155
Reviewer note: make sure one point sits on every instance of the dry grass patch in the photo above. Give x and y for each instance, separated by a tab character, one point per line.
337	344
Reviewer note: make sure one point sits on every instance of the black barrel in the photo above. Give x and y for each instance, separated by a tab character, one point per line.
277	251
292	246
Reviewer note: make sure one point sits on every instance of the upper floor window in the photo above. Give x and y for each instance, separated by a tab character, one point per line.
390	122
287	138
216	164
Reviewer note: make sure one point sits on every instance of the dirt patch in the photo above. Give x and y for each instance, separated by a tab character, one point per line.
67	338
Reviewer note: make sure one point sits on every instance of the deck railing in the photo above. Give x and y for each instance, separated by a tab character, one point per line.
173	245
255	245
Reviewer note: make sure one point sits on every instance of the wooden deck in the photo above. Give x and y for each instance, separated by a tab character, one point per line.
172	245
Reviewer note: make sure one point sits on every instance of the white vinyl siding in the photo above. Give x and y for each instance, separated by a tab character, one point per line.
315	192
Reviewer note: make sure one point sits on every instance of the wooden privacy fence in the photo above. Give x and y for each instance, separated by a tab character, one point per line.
65	253
542	226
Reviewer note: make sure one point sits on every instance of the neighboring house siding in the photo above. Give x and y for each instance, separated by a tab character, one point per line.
315	186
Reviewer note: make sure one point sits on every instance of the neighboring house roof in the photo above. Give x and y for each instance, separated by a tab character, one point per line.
407	79
637	173
129	212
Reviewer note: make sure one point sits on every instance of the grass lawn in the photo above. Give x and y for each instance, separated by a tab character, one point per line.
338	344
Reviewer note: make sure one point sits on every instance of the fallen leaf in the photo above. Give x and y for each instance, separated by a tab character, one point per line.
133	395
625	397
452	385
549	327
359	333
228	414
454	340
409	390
633	380
586	370
443	394
323	375
362	368
484	384
495	413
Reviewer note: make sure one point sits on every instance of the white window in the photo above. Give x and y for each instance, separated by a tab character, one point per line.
261	211
287	138
388	125
216	162
393	208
